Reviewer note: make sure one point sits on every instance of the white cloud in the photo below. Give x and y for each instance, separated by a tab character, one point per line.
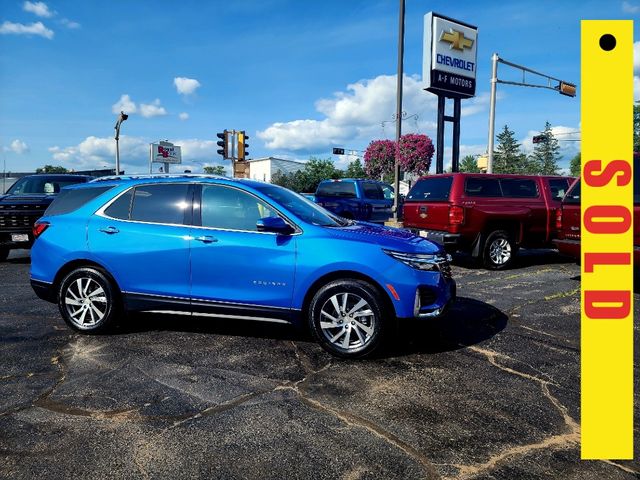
38	8
569	138
183	116
186	86
630	8
70	24
125	104
37	28
636	88
362	112
153	109
17	146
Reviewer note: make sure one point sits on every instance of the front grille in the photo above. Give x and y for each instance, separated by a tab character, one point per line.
17	220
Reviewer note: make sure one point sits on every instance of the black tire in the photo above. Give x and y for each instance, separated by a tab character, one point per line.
83	306
499	250
354	336
4	253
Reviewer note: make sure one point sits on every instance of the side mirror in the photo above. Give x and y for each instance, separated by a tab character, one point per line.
274	224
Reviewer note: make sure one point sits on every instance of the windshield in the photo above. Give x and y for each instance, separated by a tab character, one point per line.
303	208
42	184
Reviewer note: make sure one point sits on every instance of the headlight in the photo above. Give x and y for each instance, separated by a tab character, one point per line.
420	261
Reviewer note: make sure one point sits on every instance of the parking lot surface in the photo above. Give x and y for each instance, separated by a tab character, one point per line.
491	391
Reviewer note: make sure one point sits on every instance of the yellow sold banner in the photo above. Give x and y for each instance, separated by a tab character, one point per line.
607	240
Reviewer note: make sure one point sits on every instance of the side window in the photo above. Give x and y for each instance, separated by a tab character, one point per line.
337	189
121	207
160	203
558	187
573	195
482	187
519	188
388	192
231	209
373	191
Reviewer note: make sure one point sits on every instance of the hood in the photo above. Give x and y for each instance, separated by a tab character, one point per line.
387	237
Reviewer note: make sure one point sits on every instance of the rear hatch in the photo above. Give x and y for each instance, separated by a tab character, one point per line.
427	204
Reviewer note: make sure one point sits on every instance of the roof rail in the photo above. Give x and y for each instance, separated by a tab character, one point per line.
158	175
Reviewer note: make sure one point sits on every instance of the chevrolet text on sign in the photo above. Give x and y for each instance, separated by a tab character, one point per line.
449	56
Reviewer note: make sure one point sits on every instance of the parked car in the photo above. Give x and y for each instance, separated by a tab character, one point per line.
25	202
234	249
568	222
490	216
356	199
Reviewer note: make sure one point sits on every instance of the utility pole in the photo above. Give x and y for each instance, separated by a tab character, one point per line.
396	181
121	118
492	111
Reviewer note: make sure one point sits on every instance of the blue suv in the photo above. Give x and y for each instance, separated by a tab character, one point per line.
235	249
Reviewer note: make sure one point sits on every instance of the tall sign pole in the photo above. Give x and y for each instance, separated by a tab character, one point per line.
396	181
492	111
121	118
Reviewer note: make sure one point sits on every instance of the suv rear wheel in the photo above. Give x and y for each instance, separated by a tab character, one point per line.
87	300
346	318
499	250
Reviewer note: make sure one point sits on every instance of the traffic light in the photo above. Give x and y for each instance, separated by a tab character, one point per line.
539	138
243	153
338	151
223	142
568	89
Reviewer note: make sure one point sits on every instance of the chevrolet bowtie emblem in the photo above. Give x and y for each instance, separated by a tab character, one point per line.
456	39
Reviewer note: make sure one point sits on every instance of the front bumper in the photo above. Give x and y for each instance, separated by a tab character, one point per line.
425	307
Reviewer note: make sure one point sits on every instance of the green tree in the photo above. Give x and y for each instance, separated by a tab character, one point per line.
355	170
215	170
574	166
51	169
507	157
469	164
636	128
546	154
307	179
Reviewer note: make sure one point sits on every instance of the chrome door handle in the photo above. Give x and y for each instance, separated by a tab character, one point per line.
206	239
110	230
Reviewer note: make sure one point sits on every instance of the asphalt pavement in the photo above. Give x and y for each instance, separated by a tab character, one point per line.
491	391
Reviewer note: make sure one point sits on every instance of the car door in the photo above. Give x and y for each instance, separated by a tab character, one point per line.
238	271
142	239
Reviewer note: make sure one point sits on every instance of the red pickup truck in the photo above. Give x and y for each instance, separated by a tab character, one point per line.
568	221
490	216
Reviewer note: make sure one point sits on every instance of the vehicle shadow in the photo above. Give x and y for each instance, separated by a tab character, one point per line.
468	322
524	258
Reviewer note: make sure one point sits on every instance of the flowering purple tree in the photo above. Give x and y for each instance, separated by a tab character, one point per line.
415	152
379	158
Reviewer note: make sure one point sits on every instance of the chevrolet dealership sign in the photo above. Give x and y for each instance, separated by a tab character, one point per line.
450	54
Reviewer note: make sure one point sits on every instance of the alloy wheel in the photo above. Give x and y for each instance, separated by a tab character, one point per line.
86	302
500	251
347	321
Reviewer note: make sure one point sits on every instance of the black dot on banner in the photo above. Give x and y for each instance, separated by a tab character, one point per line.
607	42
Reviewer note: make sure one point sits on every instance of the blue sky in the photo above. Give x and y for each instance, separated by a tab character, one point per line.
299	77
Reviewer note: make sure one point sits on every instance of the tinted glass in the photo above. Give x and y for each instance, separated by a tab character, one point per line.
388	192
573	195
120	208
70	200
558	188
161	203
431	189
43	184
337	189
302	207
482	187
373	191
519	188
231	209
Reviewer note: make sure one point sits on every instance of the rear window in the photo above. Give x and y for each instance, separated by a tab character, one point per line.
573	195
519	188
482	187
69	200
431	189
337	189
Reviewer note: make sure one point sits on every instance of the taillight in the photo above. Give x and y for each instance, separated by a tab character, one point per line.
558	219
38	228
456	215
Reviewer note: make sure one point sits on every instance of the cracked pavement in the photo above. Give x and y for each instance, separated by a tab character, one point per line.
489	392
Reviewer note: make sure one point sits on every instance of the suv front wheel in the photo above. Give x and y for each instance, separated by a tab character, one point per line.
87	300
346	318
499	250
